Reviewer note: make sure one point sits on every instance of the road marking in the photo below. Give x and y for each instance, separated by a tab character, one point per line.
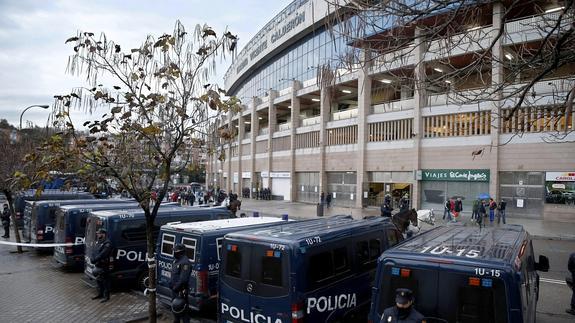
552	281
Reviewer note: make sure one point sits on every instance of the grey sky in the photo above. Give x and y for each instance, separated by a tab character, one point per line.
33	55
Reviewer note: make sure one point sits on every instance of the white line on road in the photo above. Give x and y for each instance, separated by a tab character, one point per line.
552	281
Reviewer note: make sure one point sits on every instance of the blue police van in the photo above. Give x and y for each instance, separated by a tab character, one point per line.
460	273
47	194
203	241
71	228
40	217
127	232
318	270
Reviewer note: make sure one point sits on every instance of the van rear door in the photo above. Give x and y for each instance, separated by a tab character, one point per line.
255	283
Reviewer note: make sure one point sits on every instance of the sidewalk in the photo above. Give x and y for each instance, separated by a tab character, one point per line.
539	229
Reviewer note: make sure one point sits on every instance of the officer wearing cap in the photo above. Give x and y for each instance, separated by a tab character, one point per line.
101	260
403	311
181	270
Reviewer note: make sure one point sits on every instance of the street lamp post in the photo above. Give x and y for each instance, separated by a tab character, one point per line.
43	106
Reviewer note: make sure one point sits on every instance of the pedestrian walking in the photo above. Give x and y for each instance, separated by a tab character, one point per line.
475	210
403	311
101	260
328	200
6	221
181	270
457	207
322	198
492	208
501	208
482	213
447	210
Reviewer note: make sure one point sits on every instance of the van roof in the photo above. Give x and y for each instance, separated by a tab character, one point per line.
99	205
296	233
164	209
207	226
78	202
496	244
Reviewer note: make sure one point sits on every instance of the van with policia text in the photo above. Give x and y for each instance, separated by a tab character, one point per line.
318	270
203	241
462	273
47	194
71	228
40	218
127	232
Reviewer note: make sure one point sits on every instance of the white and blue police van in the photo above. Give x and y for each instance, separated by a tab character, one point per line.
46	194
203	241
40	217
71	228
460	273
126	230
318	270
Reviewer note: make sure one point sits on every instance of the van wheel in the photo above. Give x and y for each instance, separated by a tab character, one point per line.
142	282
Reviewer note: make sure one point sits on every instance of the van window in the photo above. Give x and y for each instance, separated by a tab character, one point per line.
234	262
133	230
367	253
190	248
320	267
272	270
167	246
340	263
219	242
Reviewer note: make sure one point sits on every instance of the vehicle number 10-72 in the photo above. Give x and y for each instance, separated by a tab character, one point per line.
312	240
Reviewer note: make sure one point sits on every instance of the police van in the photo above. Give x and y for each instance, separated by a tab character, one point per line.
40	217
71	226
460	273
318	270
127	232
203	241
47	194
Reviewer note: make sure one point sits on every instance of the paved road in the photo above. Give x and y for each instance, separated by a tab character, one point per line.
33	290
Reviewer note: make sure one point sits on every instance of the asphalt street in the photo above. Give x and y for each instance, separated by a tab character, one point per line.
33	289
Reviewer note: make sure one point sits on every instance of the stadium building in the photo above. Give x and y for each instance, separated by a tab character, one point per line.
406	118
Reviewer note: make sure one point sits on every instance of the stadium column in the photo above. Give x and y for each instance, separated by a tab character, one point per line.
229	180
325	112
364	107
496	80
255	128
241	134
295	108
272	121
420	102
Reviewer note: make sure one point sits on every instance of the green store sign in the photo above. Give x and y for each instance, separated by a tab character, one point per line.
455	175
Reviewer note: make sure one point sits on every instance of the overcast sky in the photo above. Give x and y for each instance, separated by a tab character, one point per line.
33	55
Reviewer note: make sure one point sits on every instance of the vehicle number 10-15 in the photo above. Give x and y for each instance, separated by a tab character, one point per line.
487	272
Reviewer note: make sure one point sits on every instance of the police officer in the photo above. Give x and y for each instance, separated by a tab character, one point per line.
101	259
181	270
403	311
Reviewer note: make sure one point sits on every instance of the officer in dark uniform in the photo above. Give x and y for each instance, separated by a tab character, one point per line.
6	221
403	311
181	270
101	259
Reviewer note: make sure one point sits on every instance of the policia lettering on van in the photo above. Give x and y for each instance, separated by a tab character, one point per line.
318	270
127	232
203	242
463	274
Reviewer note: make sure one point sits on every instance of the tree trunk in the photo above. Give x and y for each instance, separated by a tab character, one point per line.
151	269
10	201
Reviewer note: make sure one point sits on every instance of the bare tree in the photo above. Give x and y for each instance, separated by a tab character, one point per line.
518	53
156	108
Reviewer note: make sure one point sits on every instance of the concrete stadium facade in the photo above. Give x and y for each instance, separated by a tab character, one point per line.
365	135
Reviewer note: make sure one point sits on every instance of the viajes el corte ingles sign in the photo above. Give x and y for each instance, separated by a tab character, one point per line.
455	175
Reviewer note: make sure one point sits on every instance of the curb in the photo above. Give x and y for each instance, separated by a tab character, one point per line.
553	238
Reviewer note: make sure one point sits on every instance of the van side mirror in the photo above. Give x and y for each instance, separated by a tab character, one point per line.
542	264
